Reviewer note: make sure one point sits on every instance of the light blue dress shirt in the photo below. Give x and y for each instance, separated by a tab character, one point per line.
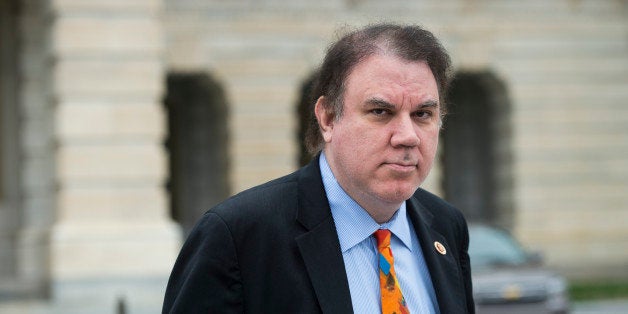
355	228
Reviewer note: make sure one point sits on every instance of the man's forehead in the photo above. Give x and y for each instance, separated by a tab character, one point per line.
388	55
379	73
375	61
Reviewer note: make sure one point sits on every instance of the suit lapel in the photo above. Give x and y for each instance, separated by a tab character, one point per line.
319	245
443	267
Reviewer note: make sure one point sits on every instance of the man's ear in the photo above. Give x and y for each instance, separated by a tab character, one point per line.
325	118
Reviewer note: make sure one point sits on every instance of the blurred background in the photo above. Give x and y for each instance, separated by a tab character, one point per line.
122	121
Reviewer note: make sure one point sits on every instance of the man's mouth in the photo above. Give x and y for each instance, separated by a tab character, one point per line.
402	166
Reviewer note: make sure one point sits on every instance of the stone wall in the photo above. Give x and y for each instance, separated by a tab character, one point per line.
28	187
563	62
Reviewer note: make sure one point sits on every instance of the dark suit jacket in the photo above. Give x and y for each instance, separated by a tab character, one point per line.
274	249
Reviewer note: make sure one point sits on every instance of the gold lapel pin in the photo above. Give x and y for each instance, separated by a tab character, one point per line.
440	248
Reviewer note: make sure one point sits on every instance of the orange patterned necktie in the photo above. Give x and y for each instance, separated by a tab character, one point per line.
392	298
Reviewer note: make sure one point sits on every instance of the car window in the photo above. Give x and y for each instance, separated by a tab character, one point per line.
490	247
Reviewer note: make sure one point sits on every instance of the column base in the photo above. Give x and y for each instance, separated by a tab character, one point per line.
102	268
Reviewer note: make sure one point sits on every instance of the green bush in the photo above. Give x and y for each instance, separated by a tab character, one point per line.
597	290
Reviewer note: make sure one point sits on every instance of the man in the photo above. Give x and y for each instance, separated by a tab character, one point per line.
351	231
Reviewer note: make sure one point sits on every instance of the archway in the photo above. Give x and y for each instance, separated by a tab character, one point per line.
476	156
197	142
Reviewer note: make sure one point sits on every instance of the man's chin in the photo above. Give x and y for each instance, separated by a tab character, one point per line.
398	196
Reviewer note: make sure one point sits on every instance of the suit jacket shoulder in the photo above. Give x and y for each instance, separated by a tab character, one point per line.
272	203
270	249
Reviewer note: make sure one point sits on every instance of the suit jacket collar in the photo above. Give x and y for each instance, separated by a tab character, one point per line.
443	267
319	245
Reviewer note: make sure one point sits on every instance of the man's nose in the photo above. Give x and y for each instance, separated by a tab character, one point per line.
404	133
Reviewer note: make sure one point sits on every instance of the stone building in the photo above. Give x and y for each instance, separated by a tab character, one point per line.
122	121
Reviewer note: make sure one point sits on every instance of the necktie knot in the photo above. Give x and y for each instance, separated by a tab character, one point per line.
383	238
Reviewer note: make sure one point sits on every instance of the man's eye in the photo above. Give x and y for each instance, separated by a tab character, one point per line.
423	114
379	112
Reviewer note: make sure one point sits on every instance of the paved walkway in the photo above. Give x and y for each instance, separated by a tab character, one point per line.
40	307
601	307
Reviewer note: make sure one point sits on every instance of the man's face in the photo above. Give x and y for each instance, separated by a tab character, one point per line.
382	147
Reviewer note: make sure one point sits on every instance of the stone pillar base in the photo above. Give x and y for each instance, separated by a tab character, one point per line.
95	268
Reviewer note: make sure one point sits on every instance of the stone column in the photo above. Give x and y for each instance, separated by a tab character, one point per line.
32	170
9	146
113	239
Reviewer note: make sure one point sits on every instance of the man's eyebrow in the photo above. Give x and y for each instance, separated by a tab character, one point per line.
428	104
378	102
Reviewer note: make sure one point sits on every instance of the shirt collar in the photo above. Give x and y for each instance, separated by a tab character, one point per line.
353	223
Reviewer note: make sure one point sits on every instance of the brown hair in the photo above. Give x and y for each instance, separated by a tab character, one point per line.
411	43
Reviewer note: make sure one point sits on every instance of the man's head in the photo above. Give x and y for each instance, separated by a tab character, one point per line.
379	113
410	43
